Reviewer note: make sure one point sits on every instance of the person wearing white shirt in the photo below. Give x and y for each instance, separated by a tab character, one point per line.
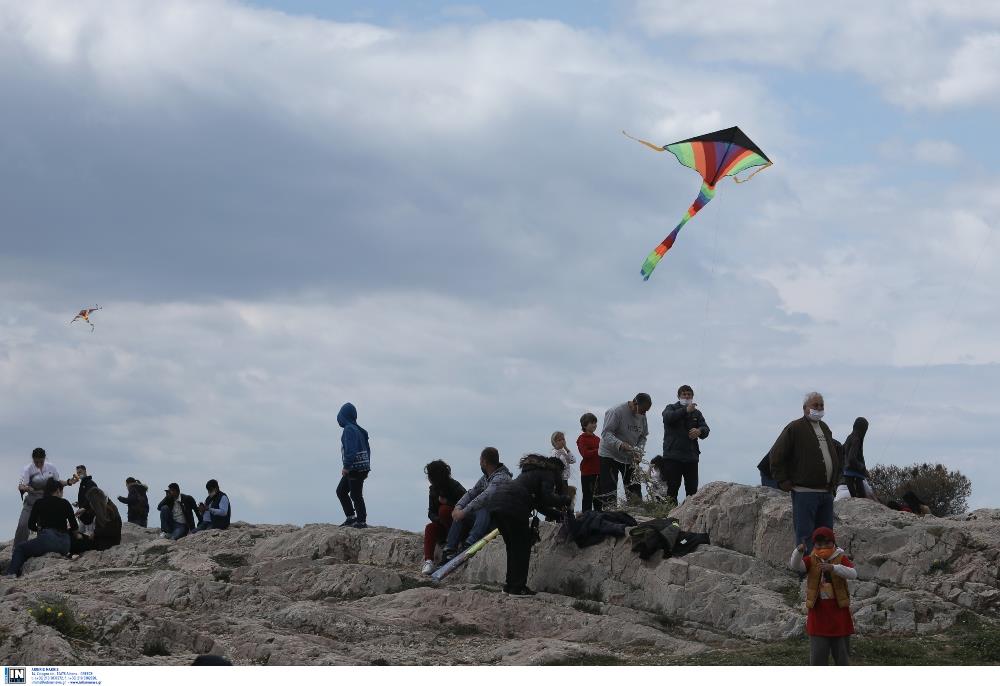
32	487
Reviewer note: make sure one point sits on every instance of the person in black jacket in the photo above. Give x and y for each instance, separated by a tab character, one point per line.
216	512
177	513
511	504
683	426
442	496
53	519
83	511
138	503
107	524
855	470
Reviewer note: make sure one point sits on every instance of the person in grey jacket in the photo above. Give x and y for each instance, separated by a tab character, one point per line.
683	426
623	441
471	504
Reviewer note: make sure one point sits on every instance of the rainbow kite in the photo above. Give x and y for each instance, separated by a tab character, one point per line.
714	156
84	314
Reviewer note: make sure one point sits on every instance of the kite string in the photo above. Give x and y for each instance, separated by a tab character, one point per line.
909	399
756	171
713	256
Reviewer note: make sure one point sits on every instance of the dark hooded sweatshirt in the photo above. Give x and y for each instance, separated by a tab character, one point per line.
354	448
533	489
137	501
854	450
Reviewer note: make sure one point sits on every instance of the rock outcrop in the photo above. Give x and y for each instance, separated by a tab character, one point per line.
325	595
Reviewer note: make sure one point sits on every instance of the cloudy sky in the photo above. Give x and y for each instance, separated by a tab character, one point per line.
429	210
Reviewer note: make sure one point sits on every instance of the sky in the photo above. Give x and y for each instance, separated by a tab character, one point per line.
428	209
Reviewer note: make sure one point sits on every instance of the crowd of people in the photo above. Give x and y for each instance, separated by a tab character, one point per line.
805	461
95	523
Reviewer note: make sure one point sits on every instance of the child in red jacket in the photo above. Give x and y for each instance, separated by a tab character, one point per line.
590	467
829	623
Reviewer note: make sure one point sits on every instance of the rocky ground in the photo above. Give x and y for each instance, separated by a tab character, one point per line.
323	595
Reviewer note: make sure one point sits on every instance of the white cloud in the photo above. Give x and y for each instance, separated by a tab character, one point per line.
445	226
927	54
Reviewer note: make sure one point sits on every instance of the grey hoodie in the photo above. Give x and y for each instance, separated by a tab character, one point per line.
621	425
476	496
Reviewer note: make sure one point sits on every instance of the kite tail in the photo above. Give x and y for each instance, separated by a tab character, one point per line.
704	196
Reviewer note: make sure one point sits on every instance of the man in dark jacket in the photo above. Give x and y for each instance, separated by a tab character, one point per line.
471	504
215	511
177	513
683	426
806	462
138	503
511	504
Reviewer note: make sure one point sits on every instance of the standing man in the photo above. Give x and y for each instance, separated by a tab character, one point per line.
683	426
356	456
805	461
623	441
32	488
83	511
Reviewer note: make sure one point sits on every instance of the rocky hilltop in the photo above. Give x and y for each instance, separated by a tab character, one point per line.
325	595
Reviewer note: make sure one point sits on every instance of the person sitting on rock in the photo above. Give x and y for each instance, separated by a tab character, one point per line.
52	517
471	505
829	623
215	511
138	503
177	516
107	524
512	503
442	497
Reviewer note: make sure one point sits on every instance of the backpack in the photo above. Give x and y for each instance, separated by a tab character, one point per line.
656	534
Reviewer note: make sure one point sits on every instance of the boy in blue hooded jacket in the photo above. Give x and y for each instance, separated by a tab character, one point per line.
356	456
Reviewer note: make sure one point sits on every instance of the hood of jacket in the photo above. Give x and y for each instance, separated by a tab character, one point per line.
348	415
860	427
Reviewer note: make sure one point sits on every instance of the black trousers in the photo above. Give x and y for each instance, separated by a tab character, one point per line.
588	484
855	485
674	471
607	491
350	491
517	538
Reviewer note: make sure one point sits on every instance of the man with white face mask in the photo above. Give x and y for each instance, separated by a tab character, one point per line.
806	462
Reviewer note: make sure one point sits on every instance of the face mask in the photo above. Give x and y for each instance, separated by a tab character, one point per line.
685	401
815	415
825	551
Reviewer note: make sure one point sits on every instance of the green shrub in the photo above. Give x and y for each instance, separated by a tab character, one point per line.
56	613
945	491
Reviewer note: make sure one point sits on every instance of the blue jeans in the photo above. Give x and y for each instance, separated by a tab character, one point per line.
809	512
482	525
47	541
168	526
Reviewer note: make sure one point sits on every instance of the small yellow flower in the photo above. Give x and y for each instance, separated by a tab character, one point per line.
48	609
31	612
59	615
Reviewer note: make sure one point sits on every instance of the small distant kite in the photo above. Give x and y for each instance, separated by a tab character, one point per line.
85	316
714	156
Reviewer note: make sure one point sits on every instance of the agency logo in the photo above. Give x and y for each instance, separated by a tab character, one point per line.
15	675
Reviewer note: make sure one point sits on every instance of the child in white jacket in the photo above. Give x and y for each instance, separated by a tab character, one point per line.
567	457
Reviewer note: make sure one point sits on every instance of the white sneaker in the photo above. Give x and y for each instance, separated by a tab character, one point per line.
428	567
164	535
